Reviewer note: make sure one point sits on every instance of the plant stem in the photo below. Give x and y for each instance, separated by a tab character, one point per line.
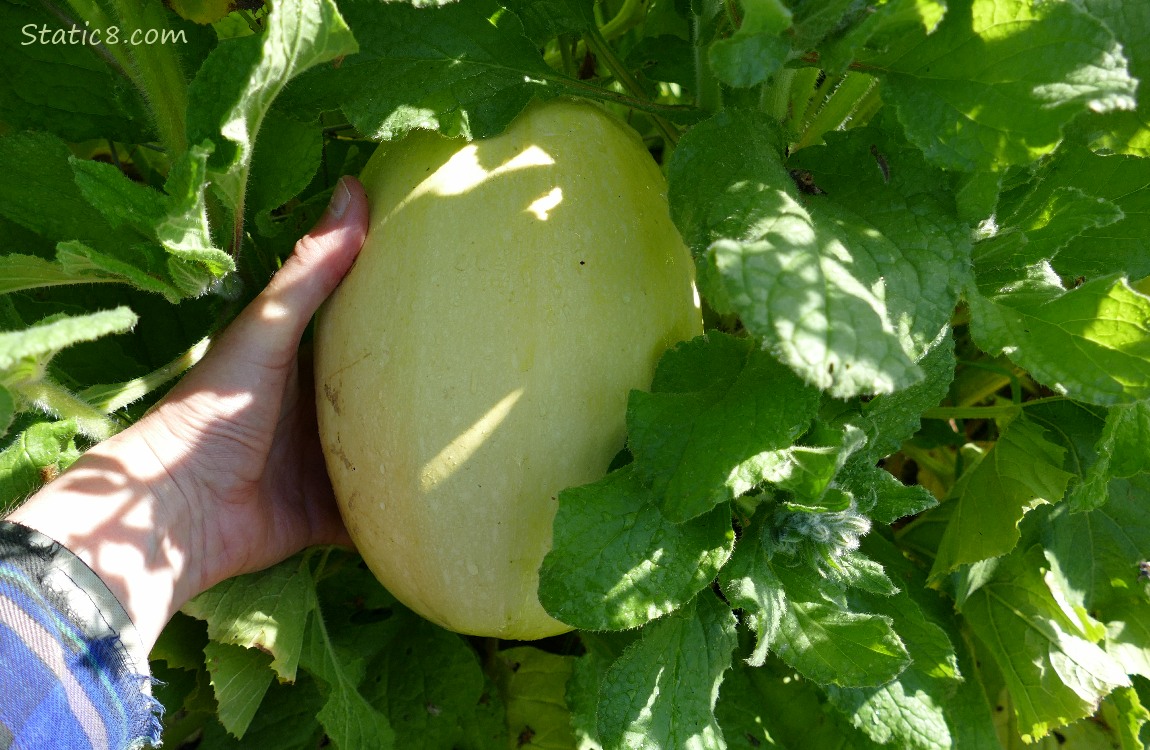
154	69
160	75
776	97
708	92
925	460
627	17
54	399
986	412
109	398
603	51
972	412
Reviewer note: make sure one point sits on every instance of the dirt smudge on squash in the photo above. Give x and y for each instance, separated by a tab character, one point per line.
332	396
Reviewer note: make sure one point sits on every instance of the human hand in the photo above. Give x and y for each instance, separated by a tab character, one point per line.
225	475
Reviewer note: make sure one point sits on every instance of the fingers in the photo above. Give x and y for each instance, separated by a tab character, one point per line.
272	324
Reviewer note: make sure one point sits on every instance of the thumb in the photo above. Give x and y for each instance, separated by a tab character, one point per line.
273	323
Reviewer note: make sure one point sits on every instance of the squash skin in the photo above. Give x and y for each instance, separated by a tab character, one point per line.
478	357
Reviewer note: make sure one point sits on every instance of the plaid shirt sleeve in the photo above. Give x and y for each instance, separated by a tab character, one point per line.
73	672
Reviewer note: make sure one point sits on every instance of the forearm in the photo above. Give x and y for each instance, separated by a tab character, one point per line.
119	511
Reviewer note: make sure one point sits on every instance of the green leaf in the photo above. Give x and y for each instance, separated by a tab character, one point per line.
44	340
881	496
1125	132
42	445
1036	231
1077	427
347	717
827	642
240	678
77	259
66	89
814	19
30	272
847	288
120	200
618	562
194	262
352	723
892	418
546	19
749	583
910	711
1126	439
583	697
1122	450
38	192
266	610
772	707
535	689
286	720
808	472
286	157
1022	471
1104	321
448	68
757	49
1054	671
661	692
235	87
997	81
1120	180
682	433
876	27
1096	559
76	263
426	680
1132	717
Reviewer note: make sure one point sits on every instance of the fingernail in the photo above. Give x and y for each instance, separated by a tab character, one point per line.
340	199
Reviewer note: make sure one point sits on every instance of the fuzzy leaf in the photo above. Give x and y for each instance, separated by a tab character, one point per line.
43	445
848	287
44	340
661	692
617	562
235	87
715	404
829	643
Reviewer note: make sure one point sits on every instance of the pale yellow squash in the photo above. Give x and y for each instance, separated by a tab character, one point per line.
477	358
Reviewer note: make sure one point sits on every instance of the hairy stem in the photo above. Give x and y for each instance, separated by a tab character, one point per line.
109	398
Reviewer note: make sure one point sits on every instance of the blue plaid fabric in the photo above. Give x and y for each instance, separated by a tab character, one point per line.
72	673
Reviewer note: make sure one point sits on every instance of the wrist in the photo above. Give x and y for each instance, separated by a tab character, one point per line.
119	511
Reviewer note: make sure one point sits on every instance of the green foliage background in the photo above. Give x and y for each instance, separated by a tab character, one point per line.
898	494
